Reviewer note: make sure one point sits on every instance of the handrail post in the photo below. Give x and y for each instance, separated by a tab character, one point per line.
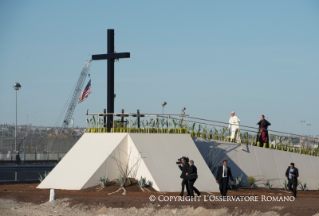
86	123
98	123
168	123
129	130
113	122
148	129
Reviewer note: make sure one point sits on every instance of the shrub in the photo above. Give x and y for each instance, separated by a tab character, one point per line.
41	178
285	183
104	182
239	181
268	185
142	183
302	186
251	180
121	181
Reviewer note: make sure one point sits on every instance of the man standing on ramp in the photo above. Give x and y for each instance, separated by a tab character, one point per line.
233	124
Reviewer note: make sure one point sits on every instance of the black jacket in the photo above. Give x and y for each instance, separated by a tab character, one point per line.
184	168
295	172
220	174
263	124
192	171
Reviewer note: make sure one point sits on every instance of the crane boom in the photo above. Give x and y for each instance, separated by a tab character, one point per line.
76	95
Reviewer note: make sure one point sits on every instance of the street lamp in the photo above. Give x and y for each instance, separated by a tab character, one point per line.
163	104
16	86
302	121
183	111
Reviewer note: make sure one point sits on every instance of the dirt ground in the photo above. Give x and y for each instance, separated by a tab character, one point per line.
25	199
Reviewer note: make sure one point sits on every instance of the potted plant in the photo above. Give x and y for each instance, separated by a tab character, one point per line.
246	137
210	135
193	129
204	132
180	125
258	144
272	138
94	124
265	145
154	127
167	123
294	149
198	130
223	131
175	124
216	134
143	129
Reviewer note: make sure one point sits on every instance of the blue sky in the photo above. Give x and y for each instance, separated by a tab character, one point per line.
212	57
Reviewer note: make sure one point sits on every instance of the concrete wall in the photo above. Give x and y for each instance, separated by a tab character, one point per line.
74	173
157	154
264	164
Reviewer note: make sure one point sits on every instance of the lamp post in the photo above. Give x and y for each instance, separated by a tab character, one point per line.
302	122
16	86
163	104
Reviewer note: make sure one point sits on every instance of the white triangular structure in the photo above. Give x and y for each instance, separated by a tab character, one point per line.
93	155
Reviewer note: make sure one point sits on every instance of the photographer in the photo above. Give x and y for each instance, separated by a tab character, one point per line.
184	167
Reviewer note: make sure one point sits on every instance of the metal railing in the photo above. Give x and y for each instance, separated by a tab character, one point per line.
178	123
31	148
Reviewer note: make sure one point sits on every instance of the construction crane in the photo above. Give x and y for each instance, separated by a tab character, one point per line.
73	99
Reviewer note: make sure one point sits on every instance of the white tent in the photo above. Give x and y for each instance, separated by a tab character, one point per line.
93	156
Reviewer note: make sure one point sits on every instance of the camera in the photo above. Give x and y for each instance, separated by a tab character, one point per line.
179	160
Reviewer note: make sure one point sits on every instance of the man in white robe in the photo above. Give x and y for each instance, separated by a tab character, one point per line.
233	124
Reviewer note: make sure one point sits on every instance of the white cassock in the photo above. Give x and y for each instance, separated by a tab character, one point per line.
233	125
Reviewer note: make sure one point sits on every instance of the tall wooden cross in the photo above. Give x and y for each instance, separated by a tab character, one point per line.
110	57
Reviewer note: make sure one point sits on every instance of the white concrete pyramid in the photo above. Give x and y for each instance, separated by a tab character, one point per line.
91	158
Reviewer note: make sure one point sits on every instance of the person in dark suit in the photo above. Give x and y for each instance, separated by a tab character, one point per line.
184	167
223	175
18	159
292	175
192	176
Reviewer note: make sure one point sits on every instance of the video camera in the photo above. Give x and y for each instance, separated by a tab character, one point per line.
179	160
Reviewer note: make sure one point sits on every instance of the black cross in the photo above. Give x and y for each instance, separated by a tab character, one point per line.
138	115
122	115
110	57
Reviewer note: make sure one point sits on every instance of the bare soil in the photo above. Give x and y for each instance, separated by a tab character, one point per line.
306	203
